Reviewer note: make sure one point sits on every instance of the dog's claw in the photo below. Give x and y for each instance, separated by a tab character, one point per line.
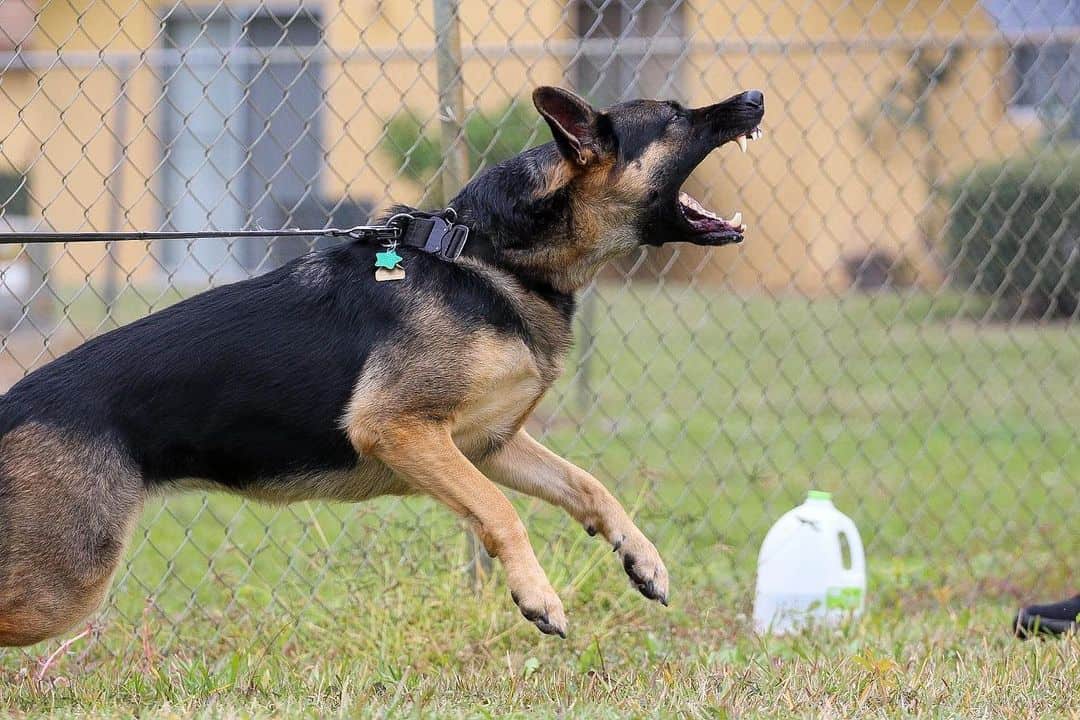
550	620
648	589
644	567
545	625
548	629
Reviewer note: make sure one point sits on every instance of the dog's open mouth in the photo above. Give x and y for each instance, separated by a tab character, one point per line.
708	227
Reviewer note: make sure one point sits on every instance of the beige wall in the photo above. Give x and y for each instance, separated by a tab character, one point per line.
818	189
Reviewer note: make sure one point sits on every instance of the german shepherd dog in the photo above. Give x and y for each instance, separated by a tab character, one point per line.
315	381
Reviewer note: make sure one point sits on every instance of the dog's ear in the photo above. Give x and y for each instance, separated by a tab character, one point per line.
573	122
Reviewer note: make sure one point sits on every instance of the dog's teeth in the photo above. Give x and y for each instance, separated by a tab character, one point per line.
742	228
742	143
691	203
735	220
756	134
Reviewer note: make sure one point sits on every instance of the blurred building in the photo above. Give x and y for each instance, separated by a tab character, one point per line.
1046	60
123	114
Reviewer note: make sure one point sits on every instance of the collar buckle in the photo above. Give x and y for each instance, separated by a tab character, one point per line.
445	239
454	243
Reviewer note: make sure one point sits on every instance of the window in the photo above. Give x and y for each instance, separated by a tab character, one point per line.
14	194
18	280
242	135
1045	61
1045	73
1046	78
629	51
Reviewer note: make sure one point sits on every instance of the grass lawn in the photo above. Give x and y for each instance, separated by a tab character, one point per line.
951	442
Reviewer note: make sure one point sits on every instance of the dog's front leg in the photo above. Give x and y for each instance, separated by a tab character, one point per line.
427	459
527	466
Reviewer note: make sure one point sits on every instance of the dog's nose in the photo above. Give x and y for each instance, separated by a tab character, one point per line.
754	97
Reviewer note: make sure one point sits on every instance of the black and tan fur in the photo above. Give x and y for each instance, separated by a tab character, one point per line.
314	381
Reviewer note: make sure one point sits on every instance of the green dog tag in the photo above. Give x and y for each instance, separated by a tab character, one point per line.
388	259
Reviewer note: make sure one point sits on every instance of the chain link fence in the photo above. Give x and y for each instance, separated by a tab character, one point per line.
900	326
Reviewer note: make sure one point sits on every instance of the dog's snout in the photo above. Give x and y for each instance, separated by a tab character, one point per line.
754	97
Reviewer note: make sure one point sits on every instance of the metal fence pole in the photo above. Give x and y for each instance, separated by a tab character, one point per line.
454	171
585	336
115	184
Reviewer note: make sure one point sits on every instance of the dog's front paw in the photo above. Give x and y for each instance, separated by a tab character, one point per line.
643	565
543	608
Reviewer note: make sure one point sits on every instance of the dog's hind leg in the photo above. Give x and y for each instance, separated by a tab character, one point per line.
67	506
527	466
425	457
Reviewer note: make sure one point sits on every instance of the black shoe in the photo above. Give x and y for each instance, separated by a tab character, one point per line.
1057	618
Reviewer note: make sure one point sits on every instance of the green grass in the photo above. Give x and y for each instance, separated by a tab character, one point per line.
951	442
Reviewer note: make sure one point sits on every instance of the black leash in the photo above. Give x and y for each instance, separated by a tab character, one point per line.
433	233
359	232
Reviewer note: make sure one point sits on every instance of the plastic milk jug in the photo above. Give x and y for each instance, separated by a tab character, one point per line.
811	569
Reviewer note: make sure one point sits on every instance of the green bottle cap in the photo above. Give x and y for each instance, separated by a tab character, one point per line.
818	495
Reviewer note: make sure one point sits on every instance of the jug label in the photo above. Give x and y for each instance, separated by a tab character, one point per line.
843	598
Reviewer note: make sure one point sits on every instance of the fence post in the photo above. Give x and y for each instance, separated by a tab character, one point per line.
115	185
454	171
585	339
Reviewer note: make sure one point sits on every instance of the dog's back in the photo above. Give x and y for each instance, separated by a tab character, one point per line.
179	390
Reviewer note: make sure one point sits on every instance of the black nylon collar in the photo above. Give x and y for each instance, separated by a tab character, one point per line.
434	233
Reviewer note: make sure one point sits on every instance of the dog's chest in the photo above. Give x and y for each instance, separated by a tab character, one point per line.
504	387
